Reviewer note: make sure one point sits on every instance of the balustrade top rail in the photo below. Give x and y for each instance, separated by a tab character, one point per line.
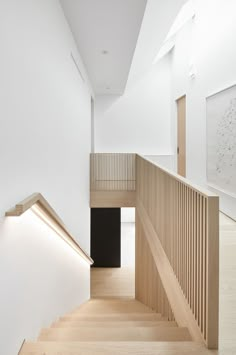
203	191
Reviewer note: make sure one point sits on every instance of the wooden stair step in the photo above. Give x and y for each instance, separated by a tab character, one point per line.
114	348
114	317
115	334
95	306
110	298
116	324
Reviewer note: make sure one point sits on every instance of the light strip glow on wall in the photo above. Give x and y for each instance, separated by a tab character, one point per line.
38	204
39	212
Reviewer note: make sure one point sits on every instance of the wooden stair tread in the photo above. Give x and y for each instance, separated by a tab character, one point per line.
115	334
113	326
114	316
117	323
95	306
114	348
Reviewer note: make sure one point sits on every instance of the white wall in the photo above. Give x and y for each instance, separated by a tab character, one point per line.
139	121
167	161
44	113
45	141
41	279
127	215
142	119
208	43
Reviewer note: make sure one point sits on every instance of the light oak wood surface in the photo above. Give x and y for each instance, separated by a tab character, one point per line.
184	221
181	225
112	180
112	172
112	282
227	339
114	317
115	334
181	135
105	329
112	199
115	348
114	324
44	210
177	302
104	306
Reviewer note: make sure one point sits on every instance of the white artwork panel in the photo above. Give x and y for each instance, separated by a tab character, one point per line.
221	141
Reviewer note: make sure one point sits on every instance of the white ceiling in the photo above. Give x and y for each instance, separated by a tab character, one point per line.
106	32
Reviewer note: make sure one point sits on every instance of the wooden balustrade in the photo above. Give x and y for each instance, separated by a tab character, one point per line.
177	236
148	285
112	180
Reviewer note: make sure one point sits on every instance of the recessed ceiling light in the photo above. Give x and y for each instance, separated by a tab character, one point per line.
104	51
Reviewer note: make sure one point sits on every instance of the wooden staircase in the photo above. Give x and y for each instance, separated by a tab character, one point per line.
112	326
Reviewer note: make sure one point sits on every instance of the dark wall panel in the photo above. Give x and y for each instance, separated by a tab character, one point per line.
106	237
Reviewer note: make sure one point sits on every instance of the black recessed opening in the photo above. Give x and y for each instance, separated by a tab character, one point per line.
106	237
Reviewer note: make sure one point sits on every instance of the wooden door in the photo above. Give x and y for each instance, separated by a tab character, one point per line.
181	135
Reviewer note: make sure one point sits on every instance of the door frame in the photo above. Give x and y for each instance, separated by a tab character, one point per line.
181	149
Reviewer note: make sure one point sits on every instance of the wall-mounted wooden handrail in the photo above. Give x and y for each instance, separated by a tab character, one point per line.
49	216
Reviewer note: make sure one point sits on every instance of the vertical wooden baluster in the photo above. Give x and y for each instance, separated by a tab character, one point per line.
179	222
181	245
179	241
197	238
212	250
194	253
184	238
187	247
175	226
201	260
177	230
204	267
198	259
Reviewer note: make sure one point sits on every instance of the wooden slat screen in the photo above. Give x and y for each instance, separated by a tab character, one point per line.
112	172
185	221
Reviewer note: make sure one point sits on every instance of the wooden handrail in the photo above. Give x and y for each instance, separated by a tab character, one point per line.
177	233
49	216
186	182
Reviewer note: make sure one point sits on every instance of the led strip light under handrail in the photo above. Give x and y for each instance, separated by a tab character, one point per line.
39	205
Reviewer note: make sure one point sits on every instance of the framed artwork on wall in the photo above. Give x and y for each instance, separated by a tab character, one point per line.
221	141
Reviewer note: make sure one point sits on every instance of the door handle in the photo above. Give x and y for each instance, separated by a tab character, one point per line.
177	150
